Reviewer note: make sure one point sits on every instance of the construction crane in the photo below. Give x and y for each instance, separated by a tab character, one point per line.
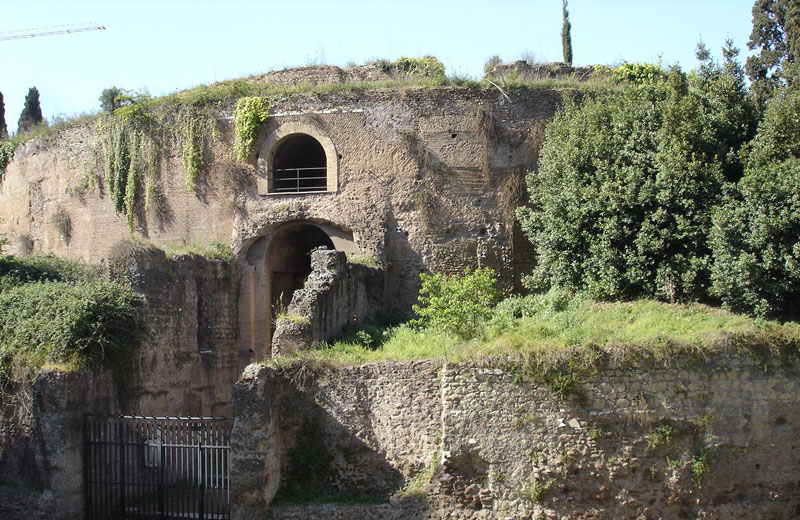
51	30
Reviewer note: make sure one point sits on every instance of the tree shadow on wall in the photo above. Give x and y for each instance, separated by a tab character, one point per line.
324	461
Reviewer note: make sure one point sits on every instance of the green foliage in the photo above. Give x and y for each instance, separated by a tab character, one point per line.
621	204
427	66
639	73
137	138
536	490
456	304
776	38
31	114
251	113
491	63
3	126
566	37
663	435
6	155
701	465
55	311
15	271
756	233
110	99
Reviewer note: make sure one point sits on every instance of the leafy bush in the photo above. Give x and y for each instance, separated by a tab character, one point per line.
56	311
89	324
639	73
427	66
621	204
456	304
756	234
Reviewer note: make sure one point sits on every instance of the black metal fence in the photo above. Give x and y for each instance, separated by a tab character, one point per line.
157	467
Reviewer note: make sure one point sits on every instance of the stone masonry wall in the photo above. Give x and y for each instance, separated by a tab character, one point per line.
190	358
335	294
427	180
711	440
41	444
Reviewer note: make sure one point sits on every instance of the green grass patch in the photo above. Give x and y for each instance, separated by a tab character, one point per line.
555	335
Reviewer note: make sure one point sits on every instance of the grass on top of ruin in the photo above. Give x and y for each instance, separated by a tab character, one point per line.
551	331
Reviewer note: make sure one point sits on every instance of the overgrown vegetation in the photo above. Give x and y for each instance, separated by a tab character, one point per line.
558	338
55	311
621	204
251	113
456	304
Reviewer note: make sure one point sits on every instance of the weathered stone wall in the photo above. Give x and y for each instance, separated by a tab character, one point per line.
335	294
374	425
41	443
427	180
190	358
680	441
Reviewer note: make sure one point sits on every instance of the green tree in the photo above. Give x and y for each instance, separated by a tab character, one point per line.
3	127
566	37
776	38
456	304
31	112
756	232
621	203
110	99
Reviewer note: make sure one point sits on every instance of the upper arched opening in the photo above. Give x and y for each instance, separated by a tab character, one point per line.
299	165
297	158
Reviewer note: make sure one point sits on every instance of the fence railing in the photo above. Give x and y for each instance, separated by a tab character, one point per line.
299	180
157	467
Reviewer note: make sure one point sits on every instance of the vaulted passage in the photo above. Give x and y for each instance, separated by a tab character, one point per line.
289	260
299	166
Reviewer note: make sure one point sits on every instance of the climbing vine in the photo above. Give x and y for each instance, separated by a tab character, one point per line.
135	140
6	155
251	113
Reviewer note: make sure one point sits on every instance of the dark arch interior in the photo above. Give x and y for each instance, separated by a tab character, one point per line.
299	165
289	260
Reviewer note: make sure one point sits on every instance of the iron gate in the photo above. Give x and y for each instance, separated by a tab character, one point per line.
157	467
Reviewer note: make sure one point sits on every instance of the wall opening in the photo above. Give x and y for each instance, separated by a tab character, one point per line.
299	165
272	269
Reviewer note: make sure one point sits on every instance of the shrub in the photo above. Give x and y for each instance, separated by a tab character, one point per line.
456	304
756	233
91	324
621	205
55	310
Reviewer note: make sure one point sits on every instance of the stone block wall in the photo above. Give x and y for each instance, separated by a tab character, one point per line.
335	294
41	443
372	425
669	441
190	358
427	180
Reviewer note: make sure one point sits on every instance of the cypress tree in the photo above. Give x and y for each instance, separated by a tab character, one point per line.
3	127
566	38
776	38
31	113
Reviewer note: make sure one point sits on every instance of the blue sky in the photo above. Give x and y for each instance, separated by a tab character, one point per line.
168	45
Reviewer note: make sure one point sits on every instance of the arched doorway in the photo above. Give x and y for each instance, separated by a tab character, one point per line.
299	165
289	260
273	267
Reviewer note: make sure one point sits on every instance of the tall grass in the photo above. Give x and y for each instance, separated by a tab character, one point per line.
551	330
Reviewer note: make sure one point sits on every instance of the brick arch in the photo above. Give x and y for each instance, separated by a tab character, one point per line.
278	136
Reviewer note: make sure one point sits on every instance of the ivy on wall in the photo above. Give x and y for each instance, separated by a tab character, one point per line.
135	141
251	113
